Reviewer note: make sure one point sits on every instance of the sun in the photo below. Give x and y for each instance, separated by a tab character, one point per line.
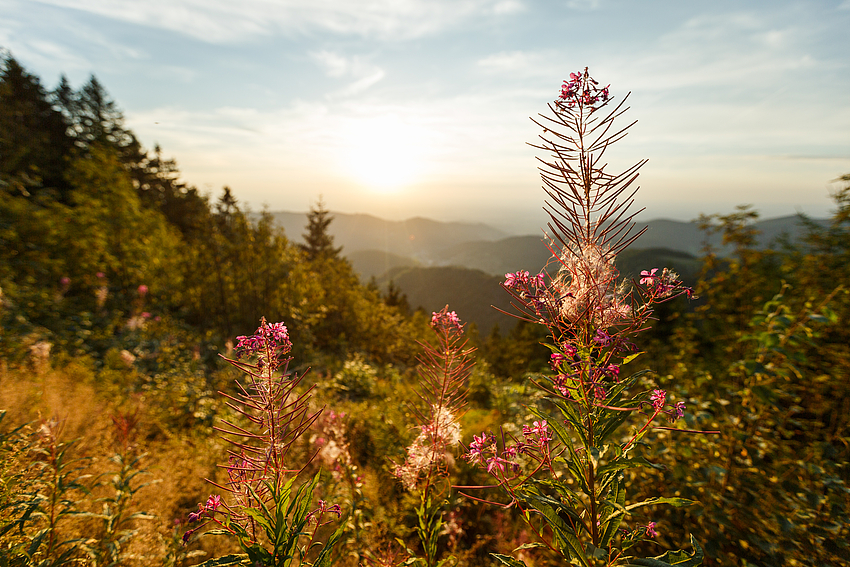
383	153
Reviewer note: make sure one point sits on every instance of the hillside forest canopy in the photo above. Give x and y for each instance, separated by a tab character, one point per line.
121	284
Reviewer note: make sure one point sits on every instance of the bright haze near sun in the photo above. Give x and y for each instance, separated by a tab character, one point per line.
421	108
383	154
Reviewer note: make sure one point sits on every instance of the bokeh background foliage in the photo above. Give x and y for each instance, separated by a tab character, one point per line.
120	284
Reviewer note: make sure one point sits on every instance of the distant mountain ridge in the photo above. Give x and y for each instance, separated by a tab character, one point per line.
415	238
375	246
438	243
462	264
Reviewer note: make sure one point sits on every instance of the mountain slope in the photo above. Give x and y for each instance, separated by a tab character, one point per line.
471	293
417	237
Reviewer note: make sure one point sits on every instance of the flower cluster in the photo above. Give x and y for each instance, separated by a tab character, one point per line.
522	279
538	433
664	285
269	340
658	399
583	89
446	321
484	449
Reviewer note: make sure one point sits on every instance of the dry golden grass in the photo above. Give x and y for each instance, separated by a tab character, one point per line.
176	464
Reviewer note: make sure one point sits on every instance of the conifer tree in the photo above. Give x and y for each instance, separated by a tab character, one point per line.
318	242
33	142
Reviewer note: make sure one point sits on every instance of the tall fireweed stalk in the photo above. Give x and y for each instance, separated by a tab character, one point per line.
444	371
267	511
566	472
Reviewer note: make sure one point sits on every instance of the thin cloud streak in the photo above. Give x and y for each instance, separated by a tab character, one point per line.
222	21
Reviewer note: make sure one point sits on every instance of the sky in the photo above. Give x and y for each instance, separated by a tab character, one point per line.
403	108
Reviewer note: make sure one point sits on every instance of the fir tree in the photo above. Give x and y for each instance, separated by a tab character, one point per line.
318	242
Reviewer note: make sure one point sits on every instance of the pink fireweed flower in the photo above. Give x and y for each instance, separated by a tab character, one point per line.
581	88
446	320
512	280
512	451
539	280
613	370
556	359
658	398
560	383
650	529
65	281
143	290
479	442
602	338
540	427
538	433
100	275
494	463
599	391
274	337
649	277
680	410
213	502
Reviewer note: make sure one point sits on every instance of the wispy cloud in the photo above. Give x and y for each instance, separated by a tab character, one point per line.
735	51
364	73
222	21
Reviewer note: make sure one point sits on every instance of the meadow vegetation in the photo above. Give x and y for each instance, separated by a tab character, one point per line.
420	442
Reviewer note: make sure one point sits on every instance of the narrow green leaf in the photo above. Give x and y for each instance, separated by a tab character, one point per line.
324	558
233	559
532	545
677	502
631	357
508	560
36	541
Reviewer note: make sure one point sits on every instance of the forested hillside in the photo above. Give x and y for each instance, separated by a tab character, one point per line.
120	284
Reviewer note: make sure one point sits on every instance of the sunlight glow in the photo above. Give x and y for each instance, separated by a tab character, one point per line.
383	153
